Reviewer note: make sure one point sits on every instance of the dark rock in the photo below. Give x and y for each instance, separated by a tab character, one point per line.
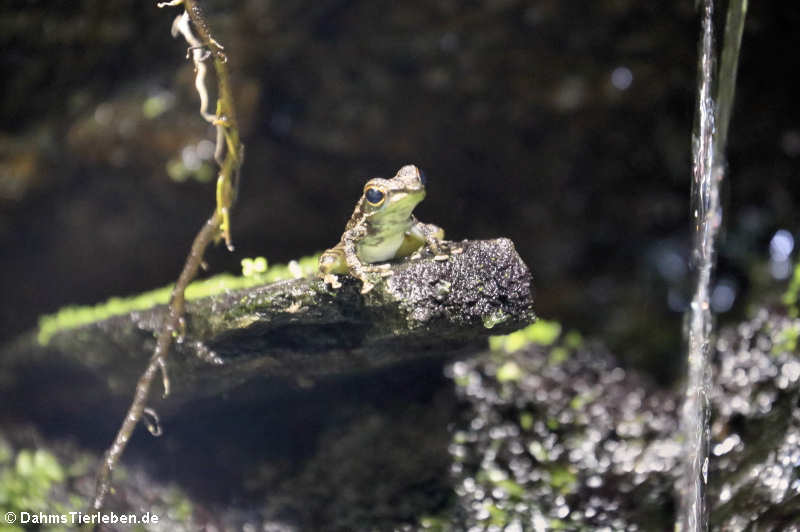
562	444
549	437
754	472
300	329
566	439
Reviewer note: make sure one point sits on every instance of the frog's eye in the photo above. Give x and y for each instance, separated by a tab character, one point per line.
375	196
422	178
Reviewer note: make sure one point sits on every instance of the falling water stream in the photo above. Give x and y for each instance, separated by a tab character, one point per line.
708	169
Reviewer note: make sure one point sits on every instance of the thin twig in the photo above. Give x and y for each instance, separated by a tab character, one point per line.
229	155
169	327
227	126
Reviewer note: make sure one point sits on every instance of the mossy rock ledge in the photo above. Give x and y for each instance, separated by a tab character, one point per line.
296	330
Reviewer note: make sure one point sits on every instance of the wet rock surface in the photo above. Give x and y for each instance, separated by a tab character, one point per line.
566	441
565	126
547	437
559	438
308	392
567	129
298	330
755	452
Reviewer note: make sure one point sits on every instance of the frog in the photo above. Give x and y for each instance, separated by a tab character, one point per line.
382	228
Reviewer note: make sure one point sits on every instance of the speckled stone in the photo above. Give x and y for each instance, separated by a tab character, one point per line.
305	329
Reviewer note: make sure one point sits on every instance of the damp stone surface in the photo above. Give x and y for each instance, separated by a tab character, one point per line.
296	330
560	437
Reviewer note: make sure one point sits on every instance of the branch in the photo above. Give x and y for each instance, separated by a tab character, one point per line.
172	324
229	155
228	142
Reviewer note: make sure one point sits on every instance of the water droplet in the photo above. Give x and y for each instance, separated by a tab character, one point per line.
189	158
725	493
726	445
780	269
621	78
781	245
205	149
791	370
724	295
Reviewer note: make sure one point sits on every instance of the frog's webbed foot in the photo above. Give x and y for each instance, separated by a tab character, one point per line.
441	250
367	286
371	274
331	279
438	247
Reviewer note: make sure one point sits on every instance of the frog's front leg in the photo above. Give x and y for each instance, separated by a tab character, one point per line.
430	234
359	269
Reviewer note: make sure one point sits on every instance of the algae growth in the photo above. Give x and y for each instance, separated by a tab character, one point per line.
254	273
44	486
28	480
791	296
541	332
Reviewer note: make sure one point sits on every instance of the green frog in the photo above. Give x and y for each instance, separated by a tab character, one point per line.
381	228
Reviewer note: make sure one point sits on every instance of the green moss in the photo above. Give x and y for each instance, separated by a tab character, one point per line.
180	506
786	342
80	466
25	485
462	381
573	340
526	420
33	480
253	267
558	355
790	297
460	437
500	479
580	400
155	106
541	332
497	516
178	171
435	524
77	316
514	490
509	371
6	454
538	451
9	528
562	479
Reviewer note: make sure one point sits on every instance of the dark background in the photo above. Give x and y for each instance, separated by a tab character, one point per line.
507	105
